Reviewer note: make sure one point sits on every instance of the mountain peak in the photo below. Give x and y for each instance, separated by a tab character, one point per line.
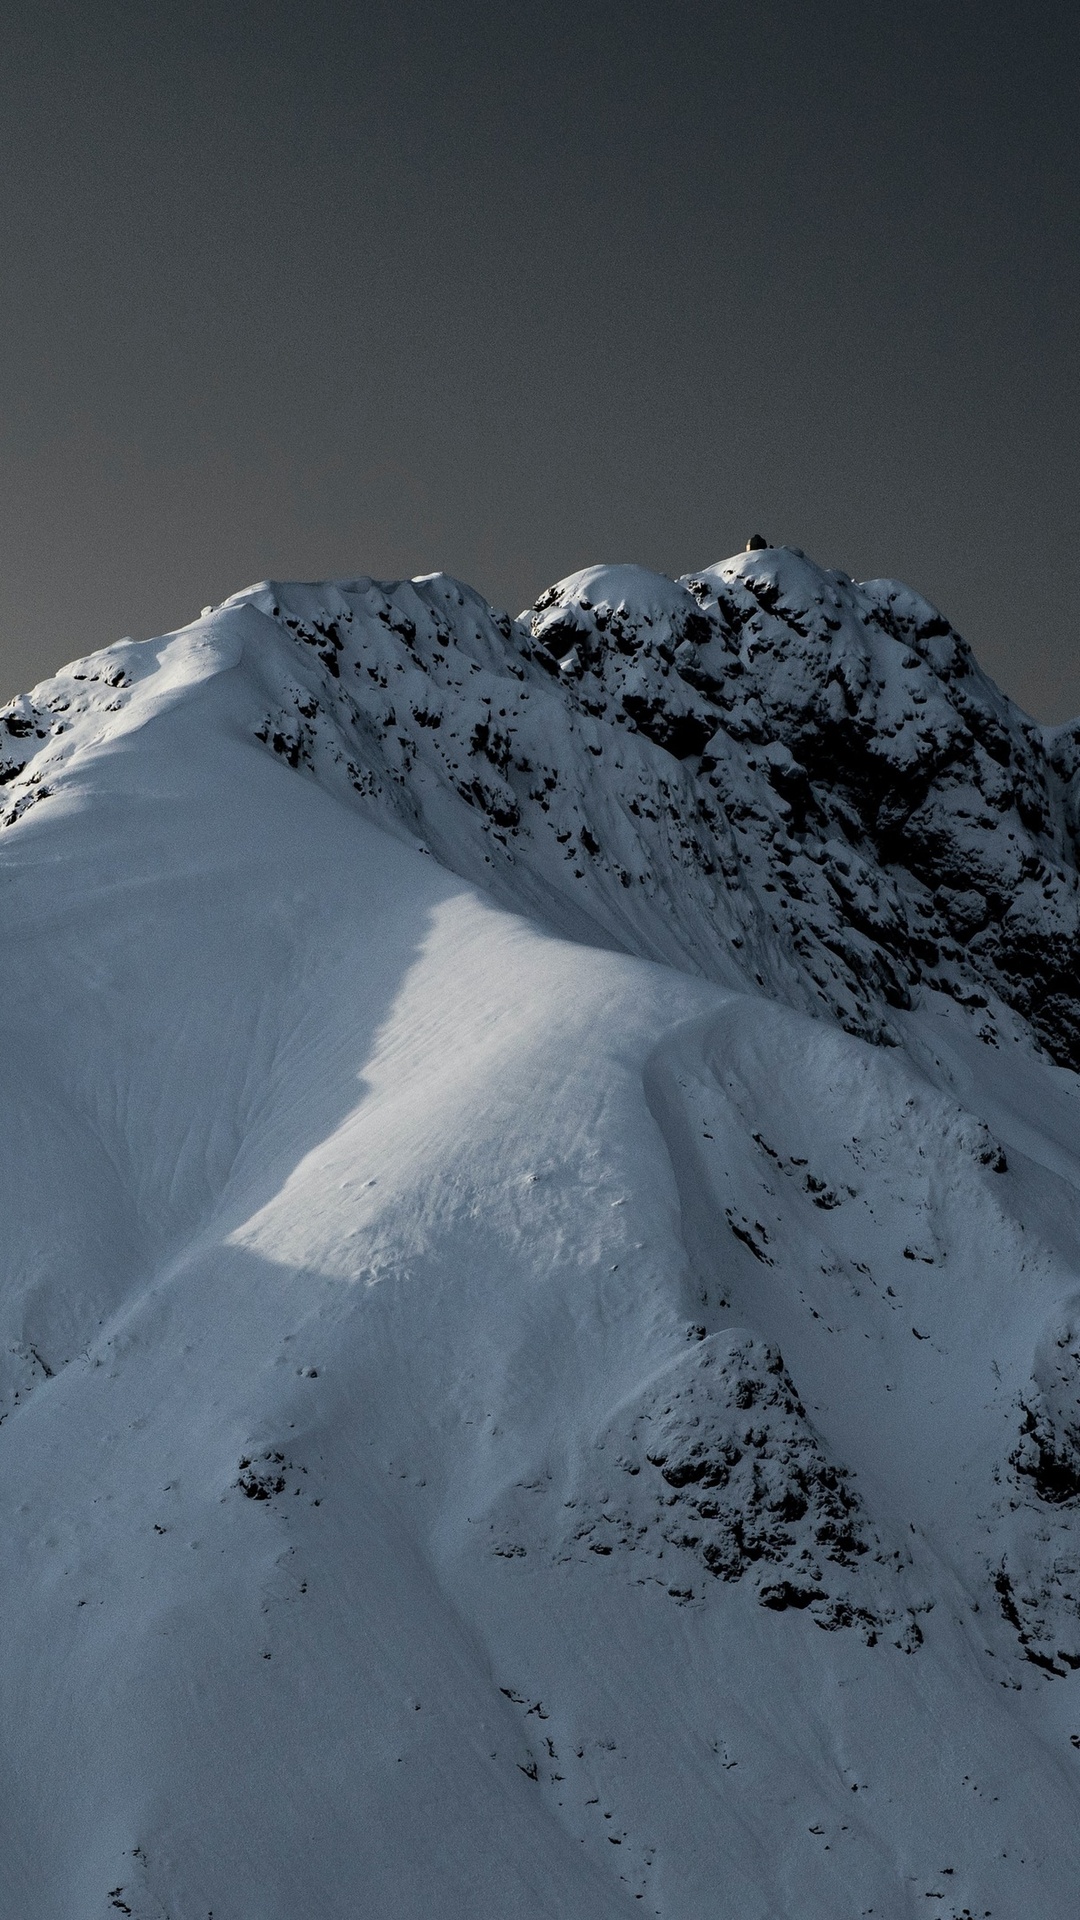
765	770
524	1371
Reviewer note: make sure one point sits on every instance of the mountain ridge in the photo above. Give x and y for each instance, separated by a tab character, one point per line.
837	749
539	1322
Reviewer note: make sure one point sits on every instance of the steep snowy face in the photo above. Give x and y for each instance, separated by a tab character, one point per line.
762	772
544	1429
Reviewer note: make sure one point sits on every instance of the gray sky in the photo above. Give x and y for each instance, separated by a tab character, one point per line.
317	288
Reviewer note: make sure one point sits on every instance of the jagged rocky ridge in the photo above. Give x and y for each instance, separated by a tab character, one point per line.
764	763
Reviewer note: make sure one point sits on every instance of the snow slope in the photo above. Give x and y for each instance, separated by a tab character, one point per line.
540	1318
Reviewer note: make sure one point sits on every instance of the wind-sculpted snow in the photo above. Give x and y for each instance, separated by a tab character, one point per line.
512	1399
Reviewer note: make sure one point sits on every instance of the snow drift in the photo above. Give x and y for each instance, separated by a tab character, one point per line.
540	1341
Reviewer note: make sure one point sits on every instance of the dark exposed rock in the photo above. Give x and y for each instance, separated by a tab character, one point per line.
944	821
1048	1455
1038	1578
262	1477
717	1463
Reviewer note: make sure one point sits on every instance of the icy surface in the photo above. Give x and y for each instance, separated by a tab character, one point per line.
540	1341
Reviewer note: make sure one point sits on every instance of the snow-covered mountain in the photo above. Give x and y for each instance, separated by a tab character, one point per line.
540	1341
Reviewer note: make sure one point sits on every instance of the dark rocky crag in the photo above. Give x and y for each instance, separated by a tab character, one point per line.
941	818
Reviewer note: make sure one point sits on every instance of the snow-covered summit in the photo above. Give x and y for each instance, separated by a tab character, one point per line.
539	1320
764	771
